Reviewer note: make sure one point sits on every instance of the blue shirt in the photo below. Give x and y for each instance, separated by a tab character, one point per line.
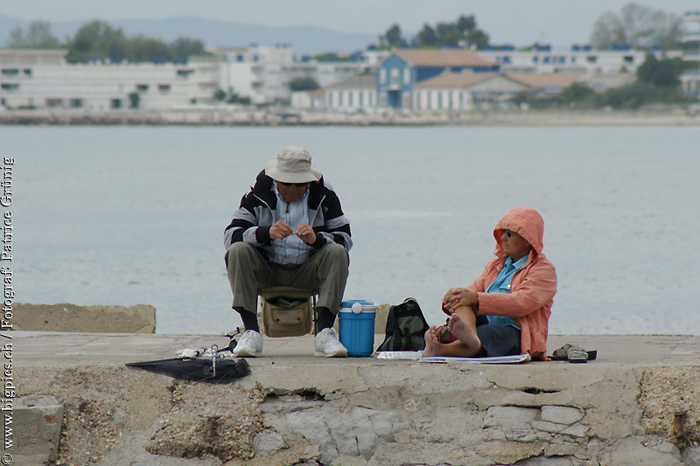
502	285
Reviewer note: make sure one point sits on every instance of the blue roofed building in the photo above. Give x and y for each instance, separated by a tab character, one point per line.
397	75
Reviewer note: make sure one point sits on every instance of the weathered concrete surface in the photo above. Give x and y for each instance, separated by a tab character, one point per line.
297	409
65	317
37	429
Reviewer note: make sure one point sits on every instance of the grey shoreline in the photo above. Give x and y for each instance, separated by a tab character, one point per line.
637	403
661	117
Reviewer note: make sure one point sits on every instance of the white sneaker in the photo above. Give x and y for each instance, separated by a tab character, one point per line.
327	344
250	345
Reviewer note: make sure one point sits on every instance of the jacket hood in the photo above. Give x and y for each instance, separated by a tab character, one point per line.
524	221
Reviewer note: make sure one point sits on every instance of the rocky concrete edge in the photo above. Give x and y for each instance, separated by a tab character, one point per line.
380	414
66	317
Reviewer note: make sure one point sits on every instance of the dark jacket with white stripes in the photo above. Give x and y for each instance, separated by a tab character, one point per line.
258	212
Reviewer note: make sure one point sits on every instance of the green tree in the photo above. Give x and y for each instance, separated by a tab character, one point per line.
220	95
185	47
477	38
142	48
427	37
466	23
662	73
134	99
392	37
38	36
629	97
577	92
638	27
97	39
303	84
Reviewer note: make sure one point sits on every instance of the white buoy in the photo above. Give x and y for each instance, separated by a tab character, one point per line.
356	308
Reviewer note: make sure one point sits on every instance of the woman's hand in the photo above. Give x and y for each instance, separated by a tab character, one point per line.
458	297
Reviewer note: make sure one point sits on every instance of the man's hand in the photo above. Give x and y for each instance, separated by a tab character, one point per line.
280	230
306	233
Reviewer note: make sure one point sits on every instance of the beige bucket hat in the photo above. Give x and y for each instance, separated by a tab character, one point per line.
293	165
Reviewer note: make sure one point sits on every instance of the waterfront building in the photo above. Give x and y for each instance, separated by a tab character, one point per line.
403	69
254	72
43	79
690	80
469	91
578	59
462	91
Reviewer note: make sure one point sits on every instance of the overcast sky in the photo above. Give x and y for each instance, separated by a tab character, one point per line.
518	22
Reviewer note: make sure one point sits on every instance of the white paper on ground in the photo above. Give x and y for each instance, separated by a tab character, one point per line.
517	358
399	354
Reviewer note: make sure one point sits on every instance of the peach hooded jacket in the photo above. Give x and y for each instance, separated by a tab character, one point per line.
533	286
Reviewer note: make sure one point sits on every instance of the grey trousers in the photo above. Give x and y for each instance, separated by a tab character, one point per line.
326	270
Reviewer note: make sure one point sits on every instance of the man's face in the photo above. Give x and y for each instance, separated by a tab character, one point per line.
292	192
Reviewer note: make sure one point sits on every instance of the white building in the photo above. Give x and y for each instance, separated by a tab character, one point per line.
690	80
254	72
580	59
43	79
264	73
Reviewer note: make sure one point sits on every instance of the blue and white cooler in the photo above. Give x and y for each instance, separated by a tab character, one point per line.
357	326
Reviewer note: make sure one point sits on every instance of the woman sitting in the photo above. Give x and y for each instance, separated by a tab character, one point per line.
506	310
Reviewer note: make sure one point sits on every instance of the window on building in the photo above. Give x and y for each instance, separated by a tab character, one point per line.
350	98
361	98
54	103
340	98
27	72
407	76
591	59
506	60
239	58
573	60
184	73
545	60
142	87
535	59
164	88
115	103
382	76
394	77
628	59
10	72
9	86
75	103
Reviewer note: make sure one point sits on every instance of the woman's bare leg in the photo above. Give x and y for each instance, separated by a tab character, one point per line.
465	322
463	327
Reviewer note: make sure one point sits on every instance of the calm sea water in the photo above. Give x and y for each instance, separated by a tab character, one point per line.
127	215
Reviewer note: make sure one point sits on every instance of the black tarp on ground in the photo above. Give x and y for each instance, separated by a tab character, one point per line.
198	369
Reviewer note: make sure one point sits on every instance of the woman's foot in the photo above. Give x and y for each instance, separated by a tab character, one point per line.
431	342
464	332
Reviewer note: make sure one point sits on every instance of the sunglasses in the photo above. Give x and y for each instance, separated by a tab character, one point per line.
508	233
298	185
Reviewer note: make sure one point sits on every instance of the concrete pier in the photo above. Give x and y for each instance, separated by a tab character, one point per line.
637	403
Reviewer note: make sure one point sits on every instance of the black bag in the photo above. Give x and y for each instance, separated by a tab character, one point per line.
405	328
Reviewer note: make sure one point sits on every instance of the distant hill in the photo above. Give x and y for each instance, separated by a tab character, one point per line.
306	40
